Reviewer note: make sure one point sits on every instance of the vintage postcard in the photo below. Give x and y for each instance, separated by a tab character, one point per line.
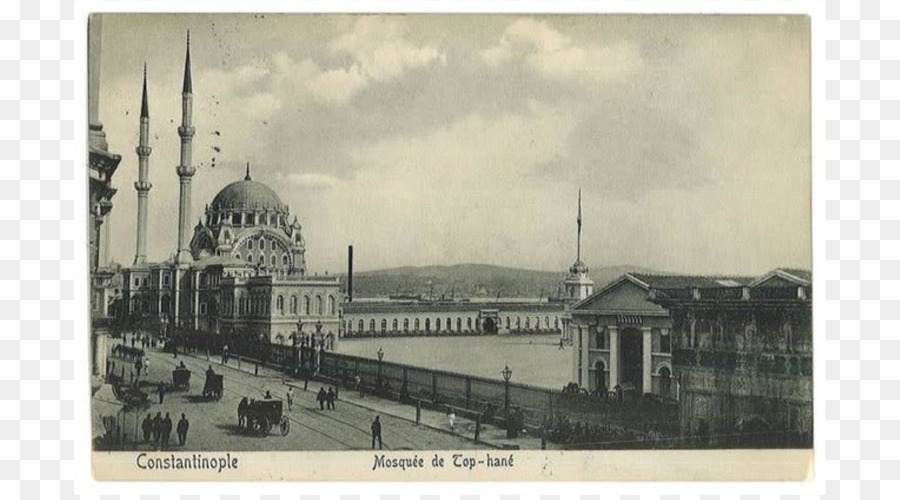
450	247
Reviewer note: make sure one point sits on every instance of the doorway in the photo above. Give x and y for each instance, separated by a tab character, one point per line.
632	358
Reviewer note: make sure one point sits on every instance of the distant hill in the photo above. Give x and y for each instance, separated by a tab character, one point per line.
471	280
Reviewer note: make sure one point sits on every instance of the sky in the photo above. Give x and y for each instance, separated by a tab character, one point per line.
447	139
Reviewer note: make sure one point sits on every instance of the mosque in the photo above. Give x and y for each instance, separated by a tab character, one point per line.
242	268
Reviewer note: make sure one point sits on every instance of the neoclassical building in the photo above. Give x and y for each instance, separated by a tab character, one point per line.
243	270
624	339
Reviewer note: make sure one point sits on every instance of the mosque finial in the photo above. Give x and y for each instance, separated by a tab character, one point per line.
247	176
187	89
145	109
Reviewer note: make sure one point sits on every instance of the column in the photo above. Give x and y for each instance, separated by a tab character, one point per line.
647	362
584	338
613	357
576	350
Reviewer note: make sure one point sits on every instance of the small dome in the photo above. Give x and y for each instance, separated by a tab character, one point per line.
247	195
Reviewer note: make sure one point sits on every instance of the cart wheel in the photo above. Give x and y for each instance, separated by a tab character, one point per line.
264	426
285	426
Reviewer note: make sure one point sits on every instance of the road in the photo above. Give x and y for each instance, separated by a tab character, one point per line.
213	424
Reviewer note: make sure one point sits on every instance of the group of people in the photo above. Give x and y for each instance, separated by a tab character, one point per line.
326	398
158	430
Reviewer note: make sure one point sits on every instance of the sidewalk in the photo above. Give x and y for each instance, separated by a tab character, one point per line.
490	435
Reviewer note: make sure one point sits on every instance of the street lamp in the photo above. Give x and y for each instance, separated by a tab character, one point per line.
380	354
507	374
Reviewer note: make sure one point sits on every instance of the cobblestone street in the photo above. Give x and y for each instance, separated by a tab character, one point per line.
214	424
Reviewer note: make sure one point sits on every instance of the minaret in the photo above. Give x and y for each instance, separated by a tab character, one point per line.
142	186
578	284
185	170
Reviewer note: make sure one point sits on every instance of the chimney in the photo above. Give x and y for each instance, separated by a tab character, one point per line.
350	273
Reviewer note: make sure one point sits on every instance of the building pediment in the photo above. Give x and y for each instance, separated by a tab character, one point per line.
626	294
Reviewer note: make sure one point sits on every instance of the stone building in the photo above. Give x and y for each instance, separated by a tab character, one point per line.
102	164
743	358
243	270
425	318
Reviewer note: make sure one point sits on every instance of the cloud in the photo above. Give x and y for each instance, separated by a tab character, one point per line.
539	48
380	49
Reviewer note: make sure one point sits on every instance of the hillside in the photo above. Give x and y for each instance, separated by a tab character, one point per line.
470	280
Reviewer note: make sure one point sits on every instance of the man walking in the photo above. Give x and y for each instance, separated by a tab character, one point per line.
166	431
156	429
376	432
330	397
290	398
147	427
161	390
321	397
182	429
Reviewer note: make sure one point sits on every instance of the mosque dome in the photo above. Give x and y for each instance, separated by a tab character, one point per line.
246	194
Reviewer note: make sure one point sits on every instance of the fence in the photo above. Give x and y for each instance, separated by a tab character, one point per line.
537	406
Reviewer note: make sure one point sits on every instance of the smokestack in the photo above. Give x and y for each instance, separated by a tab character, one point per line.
350	273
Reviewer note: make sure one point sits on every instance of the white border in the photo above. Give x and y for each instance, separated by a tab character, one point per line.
88	488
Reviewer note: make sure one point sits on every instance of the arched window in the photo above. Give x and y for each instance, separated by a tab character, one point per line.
394	325
527	323
383	325
249	244
279	304
469	324
556	323
459	324
348	325
437	325
405	324
284	260
331	305
547	322
416	325
250	258
241	305
507	322
449	325
237	256
319	309
272	247
272	260
362	326
427	324
164	307
372	325
665	382
293	304
306	306
518	323
262	260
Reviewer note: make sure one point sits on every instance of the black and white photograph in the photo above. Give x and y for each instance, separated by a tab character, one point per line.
484	238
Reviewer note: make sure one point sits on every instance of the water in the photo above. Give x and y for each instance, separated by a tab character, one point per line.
534	359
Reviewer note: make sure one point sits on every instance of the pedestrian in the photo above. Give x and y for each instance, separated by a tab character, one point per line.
147	427
330	397
561	345
132	341
321	397
146	365
242	412
166	431
156	429
161	390
290	398
376	432
451	417
225	354
137	367
182	429
268	395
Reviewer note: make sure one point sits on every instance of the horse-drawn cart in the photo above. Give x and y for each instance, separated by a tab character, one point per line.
214	386
181	379
260	416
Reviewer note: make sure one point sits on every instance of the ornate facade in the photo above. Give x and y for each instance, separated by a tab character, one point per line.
743	355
